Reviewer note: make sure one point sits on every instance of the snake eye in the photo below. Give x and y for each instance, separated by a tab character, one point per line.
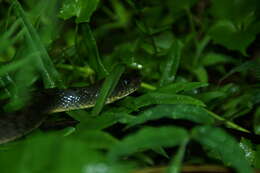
126	82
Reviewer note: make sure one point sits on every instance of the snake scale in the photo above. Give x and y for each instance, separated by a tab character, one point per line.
18	124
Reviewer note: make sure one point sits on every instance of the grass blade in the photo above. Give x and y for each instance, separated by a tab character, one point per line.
181	86
91	47
180	111
172	63
47	69
163	98
175	166
107	88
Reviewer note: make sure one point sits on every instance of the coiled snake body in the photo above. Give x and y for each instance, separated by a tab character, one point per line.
13	126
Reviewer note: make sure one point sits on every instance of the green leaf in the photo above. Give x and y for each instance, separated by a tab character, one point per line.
166	41
106	119
212	58
82	9
62	154
43	61
95	139
228	123
180	5
234	10
148	138
172	63
180	111
100	122
24	79
164	98
14	66
226	146
246	66
104	167
229	35
8	38
201	73
181	86
257	121
176	163
209	96
90	44
247	146
107	88
257	158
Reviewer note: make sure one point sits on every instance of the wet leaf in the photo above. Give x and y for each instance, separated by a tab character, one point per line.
225	145
148	138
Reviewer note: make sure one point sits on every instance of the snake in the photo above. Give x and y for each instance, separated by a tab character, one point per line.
20	123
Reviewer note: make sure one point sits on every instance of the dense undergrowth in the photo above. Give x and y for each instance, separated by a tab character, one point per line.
198	103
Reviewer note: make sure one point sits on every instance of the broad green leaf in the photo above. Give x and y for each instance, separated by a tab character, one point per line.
95	139
248	148
172	63
224	145
100	122
62	154
164	98
180	111
147	138
82	9
227	34
234	10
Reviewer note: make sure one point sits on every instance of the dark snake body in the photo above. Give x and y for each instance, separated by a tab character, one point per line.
18	124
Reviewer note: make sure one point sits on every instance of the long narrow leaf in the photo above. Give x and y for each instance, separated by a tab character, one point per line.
180	111
48	71
93	55
163	98
225	145
148	138
175	166
181	86
107	88
172	63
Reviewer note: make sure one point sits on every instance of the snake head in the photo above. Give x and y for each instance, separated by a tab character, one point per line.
130	81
